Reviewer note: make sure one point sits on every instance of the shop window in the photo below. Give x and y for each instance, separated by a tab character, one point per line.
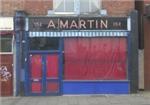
5	43
95	59
44	43
76	6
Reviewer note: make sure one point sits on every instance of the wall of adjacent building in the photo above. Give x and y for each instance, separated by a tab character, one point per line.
146	34
144	48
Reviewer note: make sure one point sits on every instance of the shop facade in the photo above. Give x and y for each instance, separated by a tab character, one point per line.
6	56
82	54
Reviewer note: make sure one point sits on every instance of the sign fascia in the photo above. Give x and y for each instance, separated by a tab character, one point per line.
77	23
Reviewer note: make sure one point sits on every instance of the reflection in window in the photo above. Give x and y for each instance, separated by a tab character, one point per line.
6	43
44	43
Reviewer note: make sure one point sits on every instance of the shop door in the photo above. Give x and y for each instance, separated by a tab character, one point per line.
43	74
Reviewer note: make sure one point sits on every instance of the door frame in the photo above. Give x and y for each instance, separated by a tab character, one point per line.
43	53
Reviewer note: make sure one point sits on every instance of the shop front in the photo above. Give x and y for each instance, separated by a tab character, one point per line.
6	56
77	55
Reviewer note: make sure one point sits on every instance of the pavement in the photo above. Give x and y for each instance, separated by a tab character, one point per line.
142	98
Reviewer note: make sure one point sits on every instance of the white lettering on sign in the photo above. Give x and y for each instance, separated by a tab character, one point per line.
4	74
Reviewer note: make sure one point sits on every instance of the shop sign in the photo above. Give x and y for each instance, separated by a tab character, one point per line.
77	23
6	23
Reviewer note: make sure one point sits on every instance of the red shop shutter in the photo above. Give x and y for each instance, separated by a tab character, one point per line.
95	58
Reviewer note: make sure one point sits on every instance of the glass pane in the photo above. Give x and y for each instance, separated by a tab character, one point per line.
89	5
64	5
44	43
6	43
84	6
69	6
95	58
58	5
95	5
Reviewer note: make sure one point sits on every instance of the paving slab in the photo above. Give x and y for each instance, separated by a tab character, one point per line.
130	99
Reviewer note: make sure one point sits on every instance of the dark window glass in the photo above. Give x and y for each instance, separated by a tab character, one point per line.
44	43
6	43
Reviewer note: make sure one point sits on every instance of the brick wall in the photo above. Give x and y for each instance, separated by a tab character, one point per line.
32	7
118	7
40	7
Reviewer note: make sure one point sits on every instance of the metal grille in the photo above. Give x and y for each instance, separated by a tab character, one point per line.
79	34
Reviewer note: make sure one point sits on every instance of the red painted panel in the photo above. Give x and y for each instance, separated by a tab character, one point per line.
36	66
52	66
95	58
36	87
52	87
6	82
